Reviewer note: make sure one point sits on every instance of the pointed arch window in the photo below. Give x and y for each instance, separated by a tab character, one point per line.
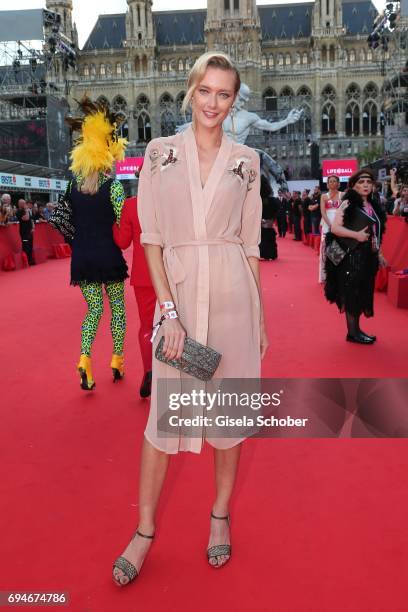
352	120
328	119
370	119
144	130
269	99
167	124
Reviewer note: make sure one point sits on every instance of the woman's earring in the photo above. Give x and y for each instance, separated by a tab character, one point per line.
232	113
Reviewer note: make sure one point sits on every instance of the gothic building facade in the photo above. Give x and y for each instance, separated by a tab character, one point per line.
312	55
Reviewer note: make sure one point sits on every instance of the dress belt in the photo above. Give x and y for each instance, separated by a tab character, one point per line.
173	263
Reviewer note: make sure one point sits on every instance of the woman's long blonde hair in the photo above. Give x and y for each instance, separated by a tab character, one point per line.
90	184
215	60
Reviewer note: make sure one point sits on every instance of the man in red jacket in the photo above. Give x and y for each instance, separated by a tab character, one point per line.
128	231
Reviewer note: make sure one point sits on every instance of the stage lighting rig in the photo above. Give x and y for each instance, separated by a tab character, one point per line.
385	21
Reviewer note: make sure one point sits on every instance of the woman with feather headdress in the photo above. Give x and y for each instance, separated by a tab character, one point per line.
95	203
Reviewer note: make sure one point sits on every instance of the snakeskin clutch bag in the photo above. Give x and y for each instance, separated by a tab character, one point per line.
197	360
335	253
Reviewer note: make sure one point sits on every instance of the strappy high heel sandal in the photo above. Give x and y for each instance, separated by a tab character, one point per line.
219	549
126	566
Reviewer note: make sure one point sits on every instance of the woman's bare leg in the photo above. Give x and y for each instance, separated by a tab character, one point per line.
153	469
226	466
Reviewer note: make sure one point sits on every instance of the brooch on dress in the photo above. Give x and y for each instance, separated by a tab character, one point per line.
171	159
241	171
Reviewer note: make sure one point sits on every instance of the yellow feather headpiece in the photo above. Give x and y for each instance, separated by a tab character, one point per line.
98	146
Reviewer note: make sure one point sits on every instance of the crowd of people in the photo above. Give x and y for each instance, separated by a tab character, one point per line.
26	214
311	211
38	211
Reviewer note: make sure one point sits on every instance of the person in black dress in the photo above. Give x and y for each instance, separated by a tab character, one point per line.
358	227
268	248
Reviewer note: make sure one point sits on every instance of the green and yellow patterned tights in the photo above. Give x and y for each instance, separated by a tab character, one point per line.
93	295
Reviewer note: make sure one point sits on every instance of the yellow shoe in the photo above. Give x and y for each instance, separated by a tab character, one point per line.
85	373
118	367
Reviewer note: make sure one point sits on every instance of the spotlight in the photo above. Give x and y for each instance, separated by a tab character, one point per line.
393	20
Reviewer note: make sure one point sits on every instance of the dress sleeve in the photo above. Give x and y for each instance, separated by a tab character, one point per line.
252	211
146	203
117	198
123	233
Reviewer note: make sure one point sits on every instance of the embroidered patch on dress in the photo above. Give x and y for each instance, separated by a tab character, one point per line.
241	171
169	157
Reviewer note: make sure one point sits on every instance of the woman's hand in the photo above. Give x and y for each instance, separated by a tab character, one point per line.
363	235
174	335
264	340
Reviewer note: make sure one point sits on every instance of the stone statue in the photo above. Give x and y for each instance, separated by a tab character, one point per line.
244	120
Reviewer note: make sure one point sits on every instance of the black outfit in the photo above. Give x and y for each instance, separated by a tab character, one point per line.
281	216
315	215
268	248
26	234
95	256
289	209
296	206
351	283
307	223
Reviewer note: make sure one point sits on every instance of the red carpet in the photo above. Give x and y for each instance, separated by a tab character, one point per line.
317	525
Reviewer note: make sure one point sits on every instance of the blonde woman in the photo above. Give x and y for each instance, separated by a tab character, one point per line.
329	203
200	214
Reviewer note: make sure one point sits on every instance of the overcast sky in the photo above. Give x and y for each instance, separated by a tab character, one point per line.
86	12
